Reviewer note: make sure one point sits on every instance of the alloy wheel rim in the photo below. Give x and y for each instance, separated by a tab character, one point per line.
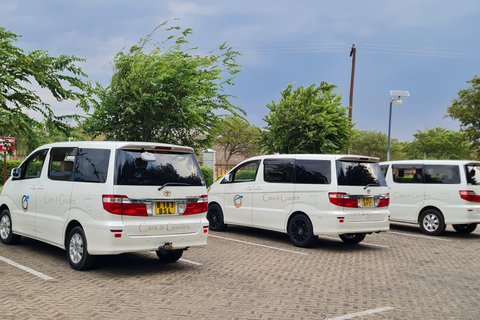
5	227
76	248
300	231
431	222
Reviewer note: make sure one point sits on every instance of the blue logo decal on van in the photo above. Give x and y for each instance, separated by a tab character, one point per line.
25	203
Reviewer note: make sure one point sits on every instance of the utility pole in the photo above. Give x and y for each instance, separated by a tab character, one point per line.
353	52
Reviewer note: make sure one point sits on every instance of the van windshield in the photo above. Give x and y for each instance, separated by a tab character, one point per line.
356	173
131	169
472	172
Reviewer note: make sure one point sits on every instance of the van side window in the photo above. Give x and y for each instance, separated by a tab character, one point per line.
278	170
246	172
61	163
442	174
312	171
407	173
32	167
91	165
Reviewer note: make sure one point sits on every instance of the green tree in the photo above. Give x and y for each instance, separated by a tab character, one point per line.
374	143
439	143
165	95
466	109
237	137
20	70
307	120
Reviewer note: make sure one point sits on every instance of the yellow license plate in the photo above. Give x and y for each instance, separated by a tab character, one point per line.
367	202
165	208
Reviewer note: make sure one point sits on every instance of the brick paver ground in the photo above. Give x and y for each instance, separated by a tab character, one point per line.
419	277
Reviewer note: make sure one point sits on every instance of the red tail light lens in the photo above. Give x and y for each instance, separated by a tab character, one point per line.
200	206
342	199
469	195
384	202
122	205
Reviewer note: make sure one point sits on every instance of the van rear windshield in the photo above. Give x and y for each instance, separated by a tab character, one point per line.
473	174
131	169
355	173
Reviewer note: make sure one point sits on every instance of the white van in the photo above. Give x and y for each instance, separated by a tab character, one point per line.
434	193
102	198
303	196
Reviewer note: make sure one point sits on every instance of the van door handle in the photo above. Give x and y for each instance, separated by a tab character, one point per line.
33	187
248	188
40	187
258	188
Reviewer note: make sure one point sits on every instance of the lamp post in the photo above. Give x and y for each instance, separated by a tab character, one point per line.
398	101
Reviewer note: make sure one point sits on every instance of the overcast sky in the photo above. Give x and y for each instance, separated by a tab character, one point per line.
427	47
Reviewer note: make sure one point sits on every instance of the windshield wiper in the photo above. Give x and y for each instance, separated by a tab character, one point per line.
371	185
173	184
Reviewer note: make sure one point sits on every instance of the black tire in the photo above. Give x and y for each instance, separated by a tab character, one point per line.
431	222
465	228
352	238
215	218
170	255
300	231
6	234
77	253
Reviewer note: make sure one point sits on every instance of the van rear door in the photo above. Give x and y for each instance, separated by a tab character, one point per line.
362	186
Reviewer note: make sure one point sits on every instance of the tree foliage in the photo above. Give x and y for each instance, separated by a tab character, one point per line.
439	143
237	137
374	143
307	120
19	71
466	109
166	95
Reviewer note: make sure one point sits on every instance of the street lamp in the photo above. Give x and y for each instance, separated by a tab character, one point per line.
398	101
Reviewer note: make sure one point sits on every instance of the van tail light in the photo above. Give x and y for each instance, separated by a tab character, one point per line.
200	206
342	199
469	195
121	205
384	201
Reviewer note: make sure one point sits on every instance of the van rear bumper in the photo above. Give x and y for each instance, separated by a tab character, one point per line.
104	241
333	226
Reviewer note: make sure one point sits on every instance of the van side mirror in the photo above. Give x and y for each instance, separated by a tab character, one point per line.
228	178
16	172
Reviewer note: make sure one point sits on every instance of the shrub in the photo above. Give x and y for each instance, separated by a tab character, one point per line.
207	175
10	166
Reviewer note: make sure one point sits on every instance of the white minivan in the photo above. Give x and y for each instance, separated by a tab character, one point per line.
434	193
102	198
304	196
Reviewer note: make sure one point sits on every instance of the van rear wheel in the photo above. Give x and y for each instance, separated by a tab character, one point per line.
77	254
300	231
431	222
465	228
352	238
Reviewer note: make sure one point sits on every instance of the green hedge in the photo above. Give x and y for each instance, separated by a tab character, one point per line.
10	166
208	175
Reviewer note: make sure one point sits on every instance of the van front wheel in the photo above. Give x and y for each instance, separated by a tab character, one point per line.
465	228
215	218
431	222
352	238
300	231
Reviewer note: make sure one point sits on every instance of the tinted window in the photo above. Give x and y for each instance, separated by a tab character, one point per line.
91	165
278	170
312	171
473	174
353	173
246	172
407	173
61	163
384	168
442	174
130	169
32	167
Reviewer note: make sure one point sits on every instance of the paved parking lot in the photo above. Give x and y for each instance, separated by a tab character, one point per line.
248	273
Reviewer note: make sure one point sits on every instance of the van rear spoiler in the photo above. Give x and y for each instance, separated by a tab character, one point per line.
358	158
149	146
